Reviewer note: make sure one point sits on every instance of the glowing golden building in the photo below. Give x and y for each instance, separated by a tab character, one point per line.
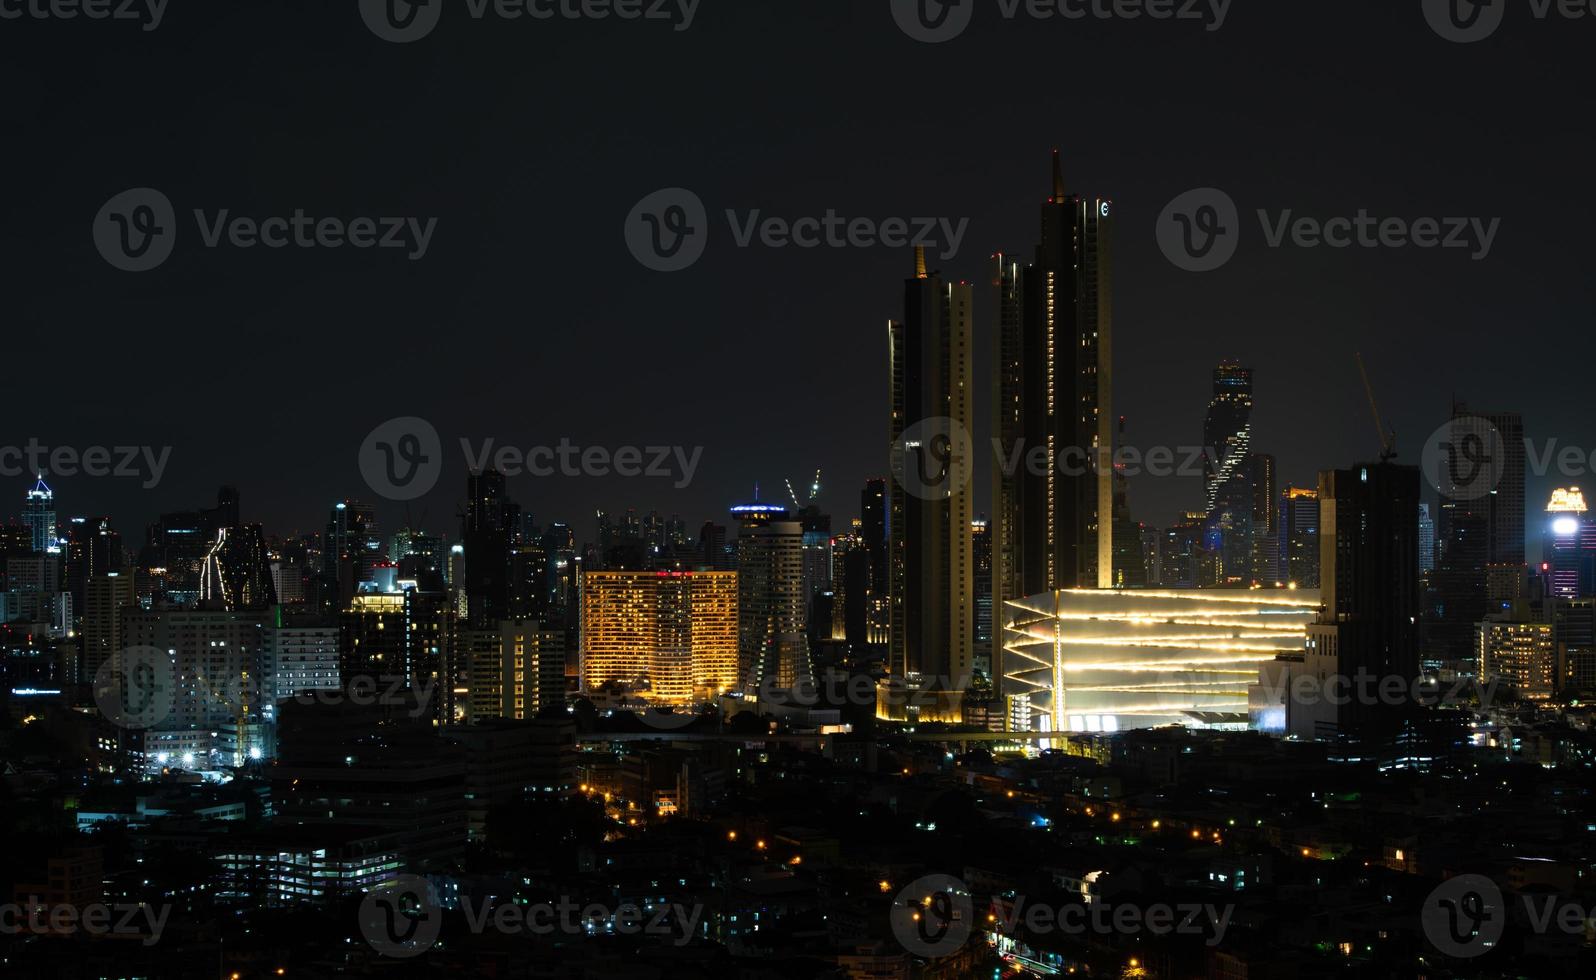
671	636
1103	661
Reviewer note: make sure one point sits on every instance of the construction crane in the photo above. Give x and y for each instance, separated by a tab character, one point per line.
814	491
1387	439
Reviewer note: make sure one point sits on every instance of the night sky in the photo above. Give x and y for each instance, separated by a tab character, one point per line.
529	320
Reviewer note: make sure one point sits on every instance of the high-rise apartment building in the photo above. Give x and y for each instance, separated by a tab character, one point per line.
1053	322
670	635
931	571
38	515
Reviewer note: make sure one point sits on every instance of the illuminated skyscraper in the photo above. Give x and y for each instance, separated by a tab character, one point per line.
486	529
931	573
1426	540
1227	430
1053	322
1299	537
670	635
38	514
1570	545
773	645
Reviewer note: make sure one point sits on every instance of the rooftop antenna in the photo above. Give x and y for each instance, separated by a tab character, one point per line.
1387	439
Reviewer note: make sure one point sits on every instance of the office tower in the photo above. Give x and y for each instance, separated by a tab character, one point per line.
850	588
1053	385
1426	540
1570	545
92	548
485	533
38	515
1265	519
1369	583
528	582
1152	554
773	645
104	598
515	671
931	584
403	637
1299	537
981	558
817	550
1522	654
236	574
670	635
1227	430
873	534
1130	565
1181	552
1477	526
712	547
351	548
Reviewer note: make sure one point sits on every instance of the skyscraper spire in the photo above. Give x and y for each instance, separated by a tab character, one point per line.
1058	178
919	262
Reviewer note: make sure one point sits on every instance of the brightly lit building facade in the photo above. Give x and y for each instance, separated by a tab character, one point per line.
1105	661
671	636
1571	544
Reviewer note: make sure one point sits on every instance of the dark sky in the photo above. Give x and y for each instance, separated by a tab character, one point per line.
529	320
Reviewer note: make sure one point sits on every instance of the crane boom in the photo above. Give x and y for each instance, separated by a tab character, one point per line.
1387	440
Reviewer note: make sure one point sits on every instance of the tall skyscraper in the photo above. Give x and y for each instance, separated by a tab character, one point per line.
1570	545
1227	429
1299	537
351	548
1369	582
104	597
981	554
1054	397
773	647
38	515
485	530
1477	527
873	535
929	562
1426	540
1265	519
